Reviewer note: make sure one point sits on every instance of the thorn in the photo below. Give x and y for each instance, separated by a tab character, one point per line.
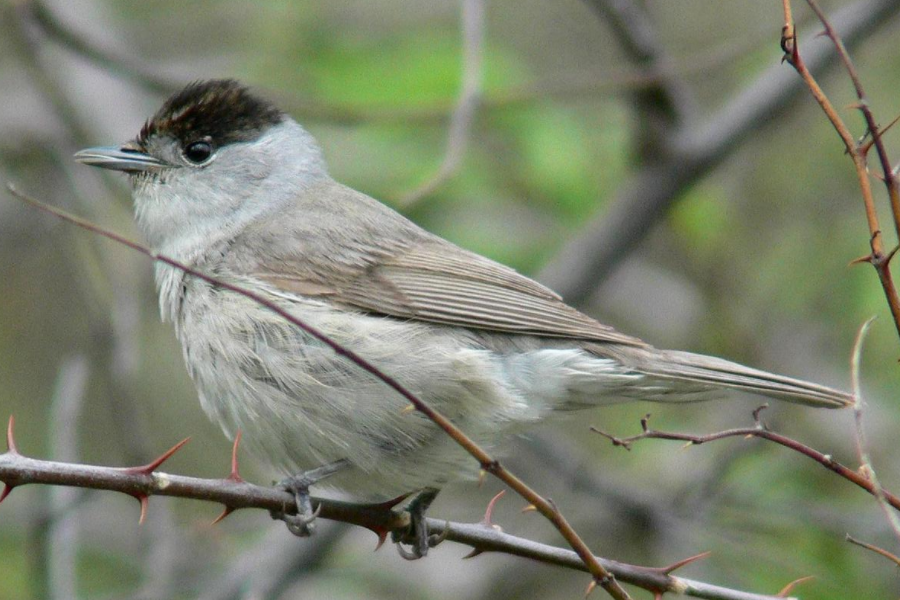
687	445
149	468
482	476
862	259
529	508
391	503
234	476
590	588
879	133
891	254
790	587
225	512
408	409
822	33
7	488
475	552
683	563
382	537
489	511
855	106
10	438
645	423
144	499
893	122
758	411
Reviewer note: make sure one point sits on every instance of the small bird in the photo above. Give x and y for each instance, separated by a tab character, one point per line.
226	182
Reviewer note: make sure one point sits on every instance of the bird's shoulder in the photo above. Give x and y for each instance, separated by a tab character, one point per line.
339	245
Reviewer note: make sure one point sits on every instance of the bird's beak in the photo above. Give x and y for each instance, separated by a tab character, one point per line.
126	158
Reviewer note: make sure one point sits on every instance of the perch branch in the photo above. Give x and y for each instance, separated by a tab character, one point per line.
16	470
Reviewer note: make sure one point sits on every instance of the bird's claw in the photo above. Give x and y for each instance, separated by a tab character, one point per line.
417	536
302	524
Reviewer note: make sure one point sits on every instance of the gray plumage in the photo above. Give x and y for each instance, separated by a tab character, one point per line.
491	349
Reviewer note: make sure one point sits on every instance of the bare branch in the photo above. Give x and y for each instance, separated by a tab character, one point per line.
862	445
469	98
759	430
667	104
891	557
121	65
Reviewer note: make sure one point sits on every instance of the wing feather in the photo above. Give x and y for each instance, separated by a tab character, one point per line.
442	283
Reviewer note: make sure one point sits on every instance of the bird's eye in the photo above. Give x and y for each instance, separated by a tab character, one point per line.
198	152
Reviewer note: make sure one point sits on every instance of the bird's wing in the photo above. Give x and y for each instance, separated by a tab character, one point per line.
434	280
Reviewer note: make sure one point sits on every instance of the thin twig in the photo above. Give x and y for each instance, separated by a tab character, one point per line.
60	32
759	431
463	116
891	557
862	445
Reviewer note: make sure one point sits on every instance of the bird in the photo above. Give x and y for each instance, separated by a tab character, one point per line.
226	182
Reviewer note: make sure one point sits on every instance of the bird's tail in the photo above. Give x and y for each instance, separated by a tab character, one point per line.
675	376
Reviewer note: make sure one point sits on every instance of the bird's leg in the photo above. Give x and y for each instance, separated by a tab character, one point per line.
302	524
417	535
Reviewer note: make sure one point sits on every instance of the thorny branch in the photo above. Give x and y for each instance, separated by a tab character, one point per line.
646	197
857	150
878	258
142	482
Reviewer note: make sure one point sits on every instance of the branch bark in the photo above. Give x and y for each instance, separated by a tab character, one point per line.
17	470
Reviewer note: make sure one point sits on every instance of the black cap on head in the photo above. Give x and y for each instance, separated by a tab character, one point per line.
222	109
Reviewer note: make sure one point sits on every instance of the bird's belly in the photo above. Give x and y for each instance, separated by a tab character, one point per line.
300	405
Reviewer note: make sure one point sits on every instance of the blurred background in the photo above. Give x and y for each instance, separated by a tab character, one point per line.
652	161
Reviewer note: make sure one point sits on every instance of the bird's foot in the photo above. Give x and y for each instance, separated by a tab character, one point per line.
417	536
302	524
